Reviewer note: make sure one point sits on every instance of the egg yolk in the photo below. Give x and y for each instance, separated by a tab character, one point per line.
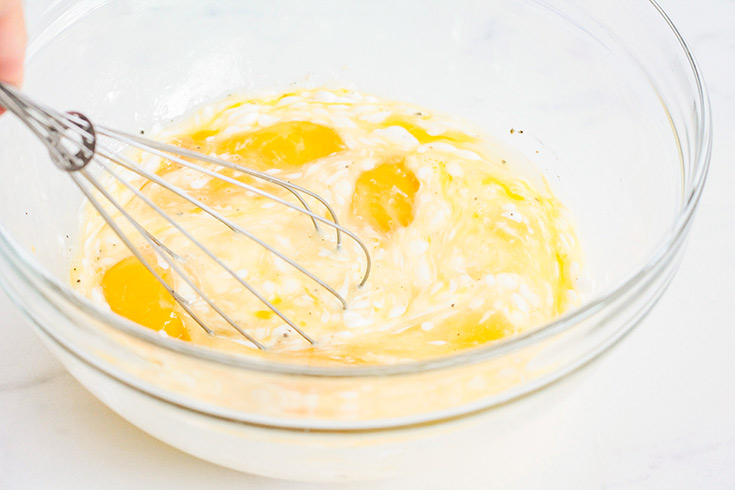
384	196
284	144
133	292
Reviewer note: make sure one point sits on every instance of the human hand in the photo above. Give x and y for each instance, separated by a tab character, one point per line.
12	42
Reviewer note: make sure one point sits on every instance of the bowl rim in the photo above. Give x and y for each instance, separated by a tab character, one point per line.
15	255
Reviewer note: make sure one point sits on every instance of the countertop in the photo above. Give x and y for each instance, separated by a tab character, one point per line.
637	421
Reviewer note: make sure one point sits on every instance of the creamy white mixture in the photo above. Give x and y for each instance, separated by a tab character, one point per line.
486	254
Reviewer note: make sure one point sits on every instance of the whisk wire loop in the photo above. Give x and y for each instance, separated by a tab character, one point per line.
206	250
221	218
175	154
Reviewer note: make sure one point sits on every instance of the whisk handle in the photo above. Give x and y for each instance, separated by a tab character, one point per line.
70	138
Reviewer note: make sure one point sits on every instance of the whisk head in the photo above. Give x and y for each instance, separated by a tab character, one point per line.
76	145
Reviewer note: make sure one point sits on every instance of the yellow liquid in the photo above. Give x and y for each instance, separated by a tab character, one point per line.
465	251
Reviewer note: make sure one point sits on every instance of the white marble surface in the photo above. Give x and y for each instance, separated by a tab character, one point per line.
634	423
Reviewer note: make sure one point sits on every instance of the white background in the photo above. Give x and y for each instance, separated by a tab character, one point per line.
656	413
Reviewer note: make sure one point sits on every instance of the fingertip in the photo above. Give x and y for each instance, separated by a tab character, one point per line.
12	43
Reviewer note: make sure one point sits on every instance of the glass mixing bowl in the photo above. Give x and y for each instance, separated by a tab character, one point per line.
604	97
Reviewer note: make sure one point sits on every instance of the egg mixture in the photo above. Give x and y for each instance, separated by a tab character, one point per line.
465	249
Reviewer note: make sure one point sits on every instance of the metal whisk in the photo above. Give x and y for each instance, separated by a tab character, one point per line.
74	143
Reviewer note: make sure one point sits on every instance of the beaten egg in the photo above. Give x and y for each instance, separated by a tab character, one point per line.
466	249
